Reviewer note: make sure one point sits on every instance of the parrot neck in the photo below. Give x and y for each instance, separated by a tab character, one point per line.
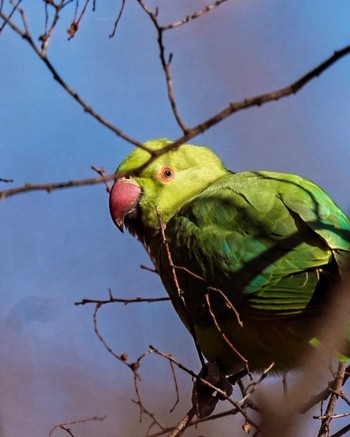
150	238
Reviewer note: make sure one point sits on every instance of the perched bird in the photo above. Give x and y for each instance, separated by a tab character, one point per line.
248	259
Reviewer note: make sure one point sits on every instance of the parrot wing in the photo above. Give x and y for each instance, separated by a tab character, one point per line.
271	242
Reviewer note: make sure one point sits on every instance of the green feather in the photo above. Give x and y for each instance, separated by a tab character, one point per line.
273	244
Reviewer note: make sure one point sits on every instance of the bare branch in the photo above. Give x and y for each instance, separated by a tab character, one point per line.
123	357
54	186
102	173
149	269
328	416
25	34
102	302
46	36
165	66
342	431
118	19
155	421
177	400
169	429
14	9
188	133
183	424
177	286
193	16
75	422
224	336
323	395
76	22
205	382
258	100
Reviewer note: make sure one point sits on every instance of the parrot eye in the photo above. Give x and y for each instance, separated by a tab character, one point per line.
167	174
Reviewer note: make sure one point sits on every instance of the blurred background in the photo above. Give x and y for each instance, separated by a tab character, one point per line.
61	247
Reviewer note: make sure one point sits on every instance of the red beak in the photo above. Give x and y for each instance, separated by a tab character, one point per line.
123	199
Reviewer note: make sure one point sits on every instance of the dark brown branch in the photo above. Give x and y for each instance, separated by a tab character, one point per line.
251	388
46	36
204	381
169	429
190	133
25	34
149	269
102	173
117	19
323	395
223	335
177	400
200	128
165	66
54	186
48	187
193	16
257	100
76	22
178	289
14	9
123	357
149	414
326	419
75	422
343	431
180	428
101	302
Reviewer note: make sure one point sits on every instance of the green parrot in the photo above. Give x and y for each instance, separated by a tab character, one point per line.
248	259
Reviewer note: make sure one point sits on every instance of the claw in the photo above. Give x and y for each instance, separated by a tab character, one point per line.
205	398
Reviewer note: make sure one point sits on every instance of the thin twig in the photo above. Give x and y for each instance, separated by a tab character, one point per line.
204	381
251	388
223	335
149	269
183	424
177	400
324	394
123	357
102	173
14	9
76	22
165	62
45	38
75	422
48	187
193	16
259	100
151	415
217	416
25	34
180	295
343	431
118	19
125	301
327	417
190	133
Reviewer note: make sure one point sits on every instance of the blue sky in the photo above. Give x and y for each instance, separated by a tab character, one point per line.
58	248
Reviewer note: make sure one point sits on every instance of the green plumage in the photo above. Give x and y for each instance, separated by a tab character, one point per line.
266	245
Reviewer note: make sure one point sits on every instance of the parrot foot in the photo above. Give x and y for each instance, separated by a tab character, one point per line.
205	398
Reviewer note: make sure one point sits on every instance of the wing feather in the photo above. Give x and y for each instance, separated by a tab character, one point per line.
265	239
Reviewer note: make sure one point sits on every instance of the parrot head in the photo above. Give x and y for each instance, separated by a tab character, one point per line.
162	186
